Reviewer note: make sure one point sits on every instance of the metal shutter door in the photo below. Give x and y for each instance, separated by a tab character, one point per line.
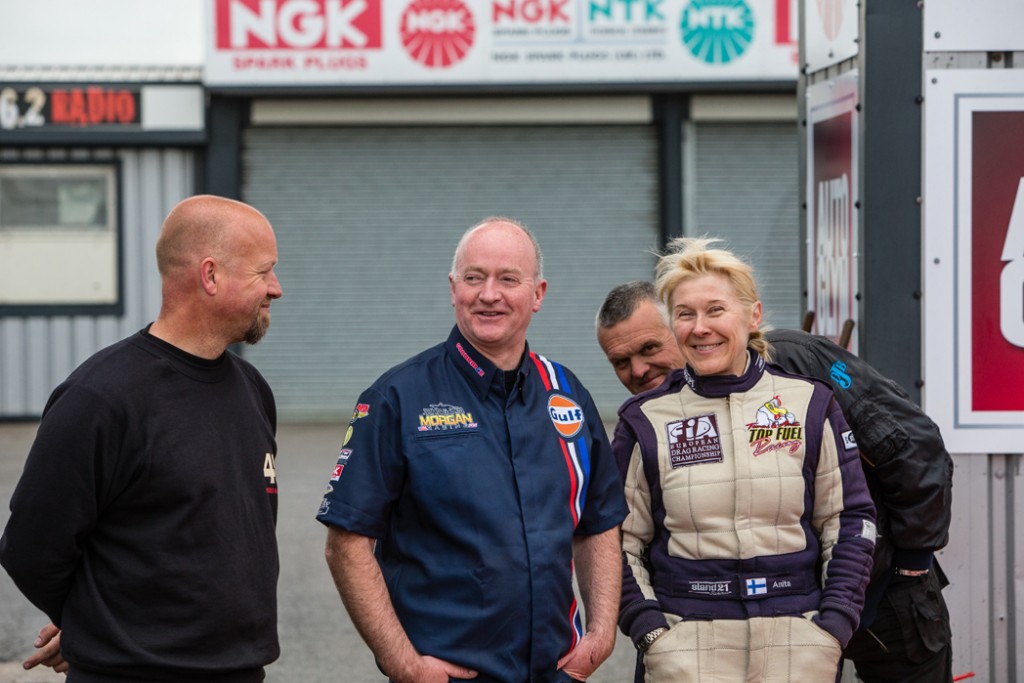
367	220
745	191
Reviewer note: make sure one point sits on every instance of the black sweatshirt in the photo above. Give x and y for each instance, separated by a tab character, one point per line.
143	524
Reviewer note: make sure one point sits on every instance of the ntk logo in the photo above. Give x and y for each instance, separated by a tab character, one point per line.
627	11
717	31
437	33
298	24
642	21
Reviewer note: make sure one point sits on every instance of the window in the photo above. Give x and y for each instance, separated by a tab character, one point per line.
59	239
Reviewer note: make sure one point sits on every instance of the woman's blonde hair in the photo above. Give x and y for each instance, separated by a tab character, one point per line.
691	257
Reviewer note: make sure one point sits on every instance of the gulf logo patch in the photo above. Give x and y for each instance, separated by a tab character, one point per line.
566	415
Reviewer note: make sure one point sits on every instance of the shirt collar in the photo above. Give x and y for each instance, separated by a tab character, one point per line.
478	370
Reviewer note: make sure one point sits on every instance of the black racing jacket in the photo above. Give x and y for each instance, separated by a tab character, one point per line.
909	471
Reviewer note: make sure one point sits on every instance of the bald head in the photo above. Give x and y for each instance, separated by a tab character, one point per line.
496	288
201	226
216	258
494	220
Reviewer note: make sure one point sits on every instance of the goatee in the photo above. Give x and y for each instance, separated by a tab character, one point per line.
257	329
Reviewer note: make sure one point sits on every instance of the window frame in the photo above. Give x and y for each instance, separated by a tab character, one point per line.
20	302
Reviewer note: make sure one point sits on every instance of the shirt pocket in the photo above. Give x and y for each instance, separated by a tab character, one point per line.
449	464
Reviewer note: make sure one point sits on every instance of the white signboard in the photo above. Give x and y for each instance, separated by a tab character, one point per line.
977	25
832	216
434	42
831	28
974	258
107	33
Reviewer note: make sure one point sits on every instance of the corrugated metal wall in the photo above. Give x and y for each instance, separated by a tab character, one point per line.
367	220
38	352
744	178
985	564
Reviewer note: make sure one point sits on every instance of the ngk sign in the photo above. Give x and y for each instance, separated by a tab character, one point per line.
285	43
298	24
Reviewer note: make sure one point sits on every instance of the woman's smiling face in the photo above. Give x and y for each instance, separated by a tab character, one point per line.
712	325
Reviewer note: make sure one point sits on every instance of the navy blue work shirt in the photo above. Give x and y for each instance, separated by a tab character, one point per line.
475	495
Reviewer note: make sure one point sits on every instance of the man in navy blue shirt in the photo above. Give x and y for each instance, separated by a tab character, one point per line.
472	476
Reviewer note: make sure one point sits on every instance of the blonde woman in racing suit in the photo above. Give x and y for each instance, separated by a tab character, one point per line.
749	540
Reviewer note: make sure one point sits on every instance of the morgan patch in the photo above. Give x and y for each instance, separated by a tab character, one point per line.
441	417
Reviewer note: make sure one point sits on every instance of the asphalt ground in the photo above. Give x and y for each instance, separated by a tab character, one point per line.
318	642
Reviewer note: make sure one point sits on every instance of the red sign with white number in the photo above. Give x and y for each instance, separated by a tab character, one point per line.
997	261
973	266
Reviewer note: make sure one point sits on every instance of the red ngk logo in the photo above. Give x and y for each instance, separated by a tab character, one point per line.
530	11
298	24
437	33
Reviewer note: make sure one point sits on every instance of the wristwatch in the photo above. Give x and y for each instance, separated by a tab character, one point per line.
649	639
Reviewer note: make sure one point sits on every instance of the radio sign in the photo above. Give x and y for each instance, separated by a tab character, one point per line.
78	106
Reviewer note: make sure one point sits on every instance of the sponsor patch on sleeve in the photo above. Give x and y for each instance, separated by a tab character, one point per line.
342	461
839	376
869	531
849	441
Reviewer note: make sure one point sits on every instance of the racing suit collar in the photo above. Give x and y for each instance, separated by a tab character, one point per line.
717	386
